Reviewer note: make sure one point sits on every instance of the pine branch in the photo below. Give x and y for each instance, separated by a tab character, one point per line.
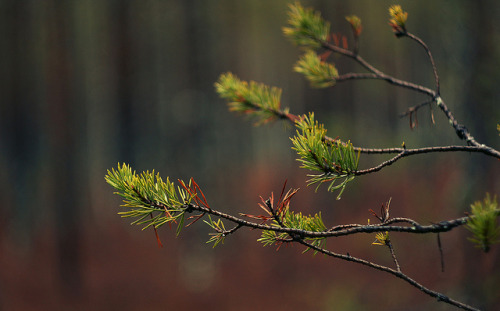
253	99
397	22
146	194
337	161
385	77
189	202
293	119
306	27
393	254
152	202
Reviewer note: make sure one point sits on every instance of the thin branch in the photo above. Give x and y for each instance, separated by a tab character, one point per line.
481	148
391	249
352	55
407	152
414	109
376	74
402	152
440	252
431	59
399	274
387	78
462	132
381	165
298	235
230	231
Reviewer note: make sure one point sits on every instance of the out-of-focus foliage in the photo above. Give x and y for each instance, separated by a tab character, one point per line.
381	238
320	73
132	81
483	223
254	99
306	27
398	19
355	23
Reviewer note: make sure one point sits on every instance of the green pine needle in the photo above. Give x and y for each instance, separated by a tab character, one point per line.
296	221
321	74
483	223
355	23
306	27
147	198
337	161
254	99
220	231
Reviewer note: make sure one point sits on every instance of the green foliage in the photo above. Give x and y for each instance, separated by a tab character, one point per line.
321	74
355	24
483	223
337	161
220	231
149	199
289	219
306	27
254	99
381	238
398	20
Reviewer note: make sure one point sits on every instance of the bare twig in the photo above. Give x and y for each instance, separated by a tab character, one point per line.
431	59
382	165
391	249
399	274
387	78
414	109
403	152
461	131
440	252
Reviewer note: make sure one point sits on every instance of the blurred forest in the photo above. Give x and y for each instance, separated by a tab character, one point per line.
90	83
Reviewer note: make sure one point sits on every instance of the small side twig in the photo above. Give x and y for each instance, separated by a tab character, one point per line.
232	230
440	251
429	54
387	78
414	109
408	152
391	249
399	274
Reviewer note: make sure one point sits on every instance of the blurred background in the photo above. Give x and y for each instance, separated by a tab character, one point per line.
87	84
